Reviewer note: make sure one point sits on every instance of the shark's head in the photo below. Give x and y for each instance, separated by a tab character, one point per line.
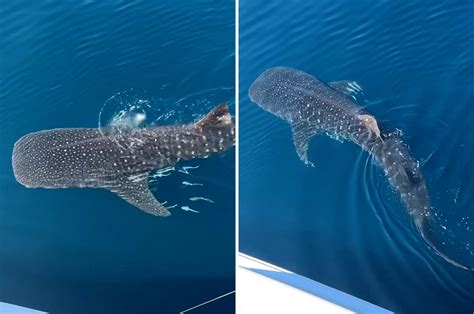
281	91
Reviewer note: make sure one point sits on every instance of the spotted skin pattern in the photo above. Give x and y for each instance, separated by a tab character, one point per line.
118	161
311	107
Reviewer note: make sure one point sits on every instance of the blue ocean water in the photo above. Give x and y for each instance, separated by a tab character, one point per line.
340	222
86	250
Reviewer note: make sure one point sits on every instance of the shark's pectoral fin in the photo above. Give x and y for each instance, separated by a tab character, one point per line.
135	191
302	134
348	88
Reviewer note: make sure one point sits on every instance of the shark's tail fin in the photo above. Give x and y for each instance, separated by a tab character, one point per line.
217	117
423	225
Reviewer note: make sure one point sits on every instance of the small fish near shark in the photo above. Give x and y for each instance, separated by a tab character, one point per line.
118	161
313	107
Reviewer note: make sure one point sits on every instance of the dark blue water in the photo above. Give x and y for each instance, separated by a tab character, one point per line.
86	250
340	222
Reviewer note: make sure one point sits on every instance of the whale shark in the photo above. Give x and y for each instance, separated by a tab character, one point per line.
118	160
313	107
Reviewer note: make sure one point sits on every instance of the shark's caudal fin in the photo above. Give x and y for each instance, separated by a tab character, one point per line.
136	192
348	88
217	117
423	224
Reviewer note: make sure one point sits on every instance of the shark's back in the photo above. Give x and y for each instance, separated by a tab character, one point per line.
292	94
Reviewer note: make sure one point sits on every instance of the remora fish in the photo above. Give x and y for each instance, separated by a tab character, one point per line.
118	161
311	107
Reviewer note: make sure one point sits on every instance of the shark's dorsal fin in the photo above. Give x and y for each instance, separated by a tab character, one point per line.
218	116
135	191
302	134
348	88
371	124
